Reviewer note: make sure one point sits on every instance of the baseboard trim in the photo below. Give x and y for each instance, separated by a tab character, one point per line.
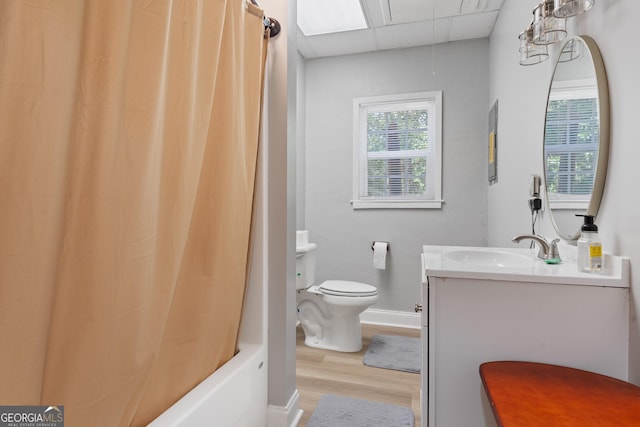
401	319
285	416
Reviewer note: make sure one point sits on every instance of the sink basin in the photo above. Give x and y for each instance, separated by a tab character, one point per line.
517	265
489	257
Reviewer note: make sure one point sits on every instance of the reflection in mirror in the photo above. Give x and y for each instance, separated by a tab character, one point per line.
576	136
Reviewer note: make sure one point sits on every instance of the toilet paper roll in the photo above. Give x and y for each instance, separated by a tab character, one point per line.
380	255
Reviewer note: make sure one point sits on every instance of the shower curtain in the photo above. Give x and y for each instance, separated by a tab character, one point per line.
128	144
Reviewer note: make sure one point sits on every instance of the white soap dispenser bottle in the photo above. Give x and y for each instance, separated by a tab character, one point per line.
590	257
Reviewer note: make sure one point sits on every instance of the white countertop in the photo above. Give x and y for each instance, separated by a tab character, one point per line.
437	262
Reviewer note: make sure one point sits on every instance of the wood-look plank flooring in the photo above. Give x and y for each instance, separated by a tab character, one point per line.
319	372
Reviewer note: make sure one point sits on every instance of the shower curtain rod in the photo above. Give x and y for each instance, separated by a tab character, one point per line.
268	22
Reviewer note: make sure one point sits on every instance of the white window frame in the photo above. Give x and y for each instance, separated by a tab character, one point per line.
360	154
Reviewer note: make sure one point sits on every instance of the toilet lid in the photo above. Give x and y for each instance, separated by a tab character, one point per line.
345	288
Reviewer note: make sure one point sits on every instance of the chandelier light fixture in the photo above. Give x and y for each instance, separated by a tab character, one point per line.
530	52
569	8
549	27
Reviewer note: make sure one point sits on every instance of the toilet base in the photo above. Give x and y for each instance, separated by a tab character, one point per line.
332	322
345	335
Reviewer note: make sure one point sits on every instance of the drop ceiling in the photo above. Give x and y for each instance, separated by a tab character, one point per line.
397	24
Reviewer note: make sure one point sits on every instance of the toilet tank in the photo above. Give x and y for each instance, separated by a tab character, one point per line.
305	260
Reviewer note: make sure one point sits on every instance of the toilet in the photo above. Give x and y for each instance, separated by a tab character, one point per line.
330	312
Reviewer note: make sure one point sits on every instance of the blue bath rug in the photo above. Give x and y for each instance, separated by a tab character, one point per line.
394	352
342	411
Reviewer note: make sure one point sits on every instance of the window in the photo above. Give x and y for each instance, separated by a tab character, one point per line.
397	151
571	145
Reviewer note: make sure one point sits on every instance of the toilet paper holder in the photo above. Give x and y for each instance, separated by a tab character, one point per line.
373	244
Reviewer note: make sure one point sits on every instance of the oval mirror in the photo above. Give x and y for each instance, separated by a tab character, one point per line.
576	136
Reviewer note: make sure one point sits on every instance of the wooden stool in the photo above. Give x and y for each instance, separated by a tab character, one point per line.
526	394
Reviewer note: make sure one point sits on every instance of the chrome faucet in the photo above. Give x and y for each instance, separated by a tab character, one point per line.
546	250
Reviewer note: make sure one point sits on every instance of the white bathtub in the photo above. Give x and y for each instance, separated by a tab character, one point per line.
234	395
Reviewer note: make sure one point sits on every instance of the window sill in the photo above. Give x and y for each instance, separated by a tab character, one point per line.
399	204
569	204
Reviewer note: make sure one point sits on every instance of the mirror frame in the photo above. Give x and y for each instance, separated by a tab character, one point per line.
604	123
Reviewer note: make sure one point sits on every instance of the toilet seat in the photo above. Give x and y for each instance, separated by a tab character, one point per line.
346	288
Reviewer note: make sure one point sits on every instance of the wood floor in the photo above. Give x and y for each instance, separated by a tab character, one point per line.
319	372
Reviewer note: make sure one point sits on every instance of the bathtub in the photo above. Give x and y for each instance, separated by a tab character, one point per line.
234	395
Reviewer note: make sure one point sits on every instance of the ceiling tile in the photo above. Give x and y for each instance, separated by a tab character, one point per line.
403	11
343	43
494	4
373	12
473	6
413	34
472	26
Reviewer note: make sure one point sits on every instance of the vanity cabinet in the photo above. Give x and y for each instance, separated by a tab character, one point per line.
478	313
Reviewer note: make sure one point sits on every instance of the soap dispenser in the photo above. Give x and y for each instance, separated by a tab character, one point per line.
590	256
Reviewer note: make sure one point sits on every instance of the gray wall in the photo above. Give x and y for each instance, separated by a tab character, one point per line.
344	236
522	93
300	146
281	212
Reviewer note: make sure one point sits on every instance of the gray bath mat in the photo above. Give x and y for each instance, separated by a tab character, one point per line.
341	411
394	352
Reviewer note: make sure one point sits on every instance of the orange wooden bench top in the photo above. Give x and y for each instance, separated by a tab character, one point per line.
524	394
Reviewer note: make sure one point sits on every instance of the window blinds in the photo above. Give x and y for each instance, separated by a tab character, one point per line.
398	151
571	147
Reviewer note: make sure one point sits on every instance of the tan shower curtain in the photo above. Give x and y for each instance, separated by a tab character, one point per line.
128	144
